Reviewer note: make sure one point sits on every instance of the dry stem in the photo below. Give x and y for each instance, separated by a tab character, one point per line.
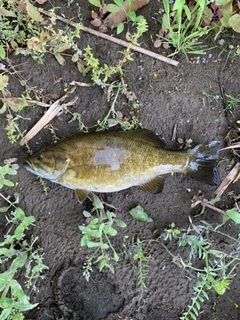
117	41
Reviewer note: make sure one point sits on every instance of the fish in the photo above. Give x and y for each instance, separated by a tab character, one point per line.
106	162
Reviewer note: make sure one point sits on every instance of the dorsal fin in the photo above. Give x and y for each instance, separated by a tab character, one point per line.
147	136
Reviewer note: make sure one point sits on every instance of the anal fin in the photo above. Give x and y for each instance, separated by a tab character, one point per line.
153	186
81	194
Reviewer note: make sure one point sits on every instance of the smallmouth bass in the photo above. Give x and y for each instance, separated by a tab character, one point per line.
114	161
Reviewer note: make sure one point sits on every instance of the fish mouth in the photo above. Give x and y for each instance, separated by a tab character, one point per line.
29	166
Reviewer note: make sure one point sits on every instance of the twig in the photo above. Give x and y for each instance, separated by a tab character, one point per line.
115	40
12	204
55	108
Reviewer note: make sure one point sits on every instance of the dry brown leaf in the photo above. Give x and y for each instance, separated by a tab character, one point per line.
157	43
55	108
96	22
231	177
114	18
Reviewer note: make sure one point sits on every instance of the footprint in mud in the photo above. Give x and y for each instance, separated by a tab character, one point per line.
86	300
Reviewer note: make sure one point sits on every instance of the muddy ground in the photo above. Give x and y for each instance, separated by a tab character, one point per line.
167	96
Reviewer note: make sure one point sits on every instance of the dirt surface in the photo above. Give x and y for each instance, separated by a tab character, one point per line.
167	95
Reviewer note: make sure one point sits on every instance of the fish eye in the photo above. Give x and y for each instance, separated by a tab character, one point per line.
39	157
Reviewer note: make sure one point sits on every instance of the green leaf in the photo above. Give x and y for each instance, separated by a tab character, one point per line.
6	303
178	4
192	315
60	59
120	28
139	214
221	286
112	8
5	278
24	306
120	223
104	246
95	3
84	241
32	11
205	294
115	256
20	261
234	22
103	264
132	15
20	214
119	3
217	253
110	231
6	311
4	209
4	108
111	267
7	182
91	244
110	215
97	202
86	214
234	215
3	81
2	52
195	311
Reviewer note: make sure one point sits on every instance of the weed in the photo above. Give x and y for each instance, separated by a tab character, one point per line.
140	258
219	266
181	27
139	21
200	295
97	234
101	74
17	253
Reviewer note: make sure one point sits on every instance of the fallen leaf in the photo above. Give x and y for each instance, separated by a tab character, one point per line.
96	22
157	43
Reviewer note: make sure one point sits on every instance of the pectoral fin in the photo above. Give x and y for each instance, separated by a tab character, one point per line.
81	194
153	186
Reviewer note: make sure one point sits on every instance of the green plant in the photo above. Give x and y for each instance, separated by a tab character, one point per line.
17	253
227	11
218	270
140	258
103	7
200	295
97	233
181	26
24	30
139	21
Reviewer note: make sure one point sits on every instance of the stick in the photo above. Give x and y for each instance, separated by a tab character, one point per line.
117	41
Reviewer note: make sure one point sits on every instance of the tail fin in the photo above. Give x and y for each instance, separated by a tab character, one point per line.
203	168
